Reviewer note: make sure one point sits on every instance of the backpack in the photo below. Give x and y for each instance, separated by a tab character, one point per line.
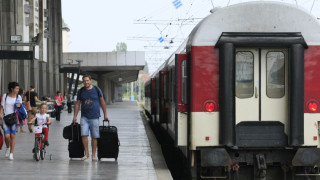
99	94
22	111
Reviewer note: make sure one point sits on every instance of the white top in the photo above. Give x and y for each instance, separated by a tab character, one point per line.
8	106
42	119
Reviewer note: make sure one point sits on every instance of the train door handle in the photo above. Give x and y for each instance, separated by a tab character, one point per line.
256	92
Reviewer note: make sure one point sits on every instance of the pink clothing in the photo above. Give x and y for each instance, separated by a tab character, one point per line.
58	99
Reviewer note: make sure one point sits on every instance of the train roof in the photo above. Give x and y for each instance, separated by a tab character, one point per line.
256	17
180	49
259	16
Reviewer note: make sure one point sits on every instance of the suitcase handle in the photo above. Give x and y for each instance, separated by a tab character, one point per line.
73	124
104	121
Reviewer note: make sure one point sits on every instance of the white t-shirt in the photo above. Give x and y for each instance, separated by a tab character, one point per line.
42	119
8	105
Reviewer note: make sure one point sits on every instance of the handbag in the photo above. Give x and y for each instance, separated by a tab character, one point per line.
72	132
1	140
28	105
10	119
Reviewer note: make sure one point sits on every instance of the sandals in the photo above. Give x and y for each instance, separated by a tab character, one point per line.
84	158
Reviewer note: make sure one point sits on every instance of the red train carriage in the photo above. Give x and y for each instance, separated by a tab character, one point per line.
240	98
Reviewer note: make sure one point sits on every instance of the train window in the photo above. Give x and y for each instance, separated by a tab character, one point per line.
184	82
244	74
275	74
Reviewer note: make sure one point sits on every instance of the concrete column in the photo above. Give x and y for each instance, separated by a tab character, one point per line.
107	87
44	76
118	93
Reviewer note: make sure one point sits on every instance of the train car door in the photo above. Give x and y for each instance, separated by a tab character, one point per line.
181	100
163	97
261	84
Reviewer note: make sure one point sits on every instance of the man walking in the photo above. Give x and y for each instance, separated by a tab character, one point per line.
31	96
90	98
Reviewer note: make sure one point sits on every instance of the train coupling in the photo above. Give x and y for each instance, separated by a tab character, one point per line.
261	166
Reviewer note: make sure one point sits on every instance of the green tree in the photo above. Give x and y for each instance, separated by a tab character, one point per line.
121	47
64	24
146	68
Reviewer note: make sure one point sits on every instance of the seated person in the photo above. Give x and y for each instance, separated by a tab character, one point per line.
43	119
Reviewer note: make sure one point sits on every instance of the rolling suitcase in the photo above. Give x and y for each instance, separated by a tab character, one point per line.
75	146
108	143
69	133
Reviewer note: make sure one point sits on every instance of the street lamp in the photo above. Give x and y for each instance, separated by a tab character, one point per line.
79	61
79	64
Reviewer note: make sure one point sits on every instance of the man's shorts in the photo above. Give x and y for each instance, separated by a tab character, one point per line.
9	129
90	124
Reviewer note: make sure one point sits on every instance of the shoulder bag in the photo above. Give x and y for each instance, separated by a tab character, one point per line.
9	119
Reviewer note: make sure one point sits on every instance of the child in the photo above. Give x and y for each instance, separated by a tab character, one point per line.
43	118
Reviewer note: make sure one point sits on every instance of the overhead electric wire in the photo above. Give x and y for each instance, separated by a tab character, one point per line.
312	6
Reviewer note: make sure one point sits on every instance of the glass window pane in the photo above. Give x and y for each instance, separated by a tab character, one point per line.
275	74
244	74
184	82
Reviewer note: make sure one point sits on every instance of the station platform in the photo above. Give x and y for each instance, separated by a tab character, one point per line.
140	155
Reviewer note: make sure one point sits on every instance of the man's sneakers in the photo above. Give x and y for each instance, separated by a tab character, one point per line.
7	152
11	156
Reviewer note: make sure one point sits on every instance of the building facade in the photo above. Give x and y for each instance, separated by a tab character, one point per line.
39	25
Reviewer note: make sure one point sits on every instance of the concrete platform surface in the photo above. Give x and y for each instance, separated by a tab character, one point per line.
134	161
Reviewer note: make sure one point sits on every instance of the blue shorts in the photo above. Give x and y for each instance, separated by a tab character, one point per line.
90	124
9	129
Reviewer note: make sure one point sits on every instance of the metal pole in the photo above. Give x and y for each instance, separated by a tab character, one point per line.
131	90
76	84
70	83
78	76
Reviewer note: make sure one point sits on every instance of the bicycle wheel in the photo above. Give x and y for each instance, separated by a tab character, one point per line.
43	154
37	150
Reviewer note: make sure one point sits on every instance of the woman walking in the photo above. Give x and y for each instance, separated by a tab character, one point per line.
8	116
58	99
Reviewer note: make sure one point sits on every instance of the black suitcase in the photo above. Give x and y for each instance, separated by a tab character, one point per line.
108	143
75	146
76	149
72	132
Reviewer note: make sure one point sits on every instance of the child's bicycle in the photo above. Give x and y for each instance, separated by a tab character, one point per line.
39	150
